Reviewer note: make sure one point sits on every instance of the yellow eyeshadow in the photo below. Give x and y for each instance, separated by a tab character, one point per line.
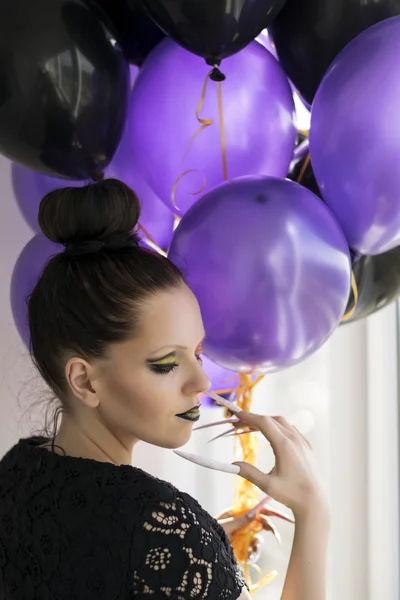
165	361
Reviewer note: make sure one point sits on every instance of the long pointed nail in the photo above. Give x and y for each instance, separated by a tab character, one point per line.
219	400
233	433
230	430
209	463
231	420
273	512
253	511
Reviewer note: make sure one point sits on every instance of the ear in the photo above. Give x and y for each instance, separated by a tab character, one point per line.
80	377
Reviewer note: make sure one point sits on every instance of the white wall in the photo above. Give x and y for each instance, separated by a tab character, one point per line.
345	397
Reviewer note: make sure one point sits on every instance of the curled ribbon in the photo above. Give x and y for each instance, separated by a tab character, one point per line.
204	123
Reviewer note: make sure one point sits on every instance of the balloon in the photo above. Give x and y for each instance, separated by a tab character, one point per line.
27	271
270	268
221	379
258	119
64	88
135	31
265	40
355	139
156	219
378	282
309	34
213	29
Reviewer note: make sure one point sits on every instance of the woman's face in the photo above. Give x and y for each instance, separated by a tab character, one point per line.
157	375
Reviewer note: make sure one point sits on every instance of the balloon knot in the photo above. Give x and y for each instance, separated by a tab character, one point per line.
97	177
216	75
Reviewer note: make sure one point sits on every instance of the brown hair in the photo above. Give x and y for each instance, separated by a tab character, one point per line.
91	295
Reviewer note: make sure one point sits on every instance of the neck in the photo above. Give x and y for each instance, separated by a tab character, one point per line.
94	441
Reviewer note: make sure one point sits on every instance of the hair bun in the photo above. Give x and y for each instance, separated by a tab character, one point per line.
97	211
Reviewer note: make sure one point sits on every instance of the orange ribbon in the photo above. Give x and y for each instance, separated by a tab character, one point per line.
246	494
151	240
354	289
303	168
204	123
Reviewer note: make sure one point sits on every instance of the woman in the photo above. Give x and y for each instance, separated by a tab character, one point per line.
116	334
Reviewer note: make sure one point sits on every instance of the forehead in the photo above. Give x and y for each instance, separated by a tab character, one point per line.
171	317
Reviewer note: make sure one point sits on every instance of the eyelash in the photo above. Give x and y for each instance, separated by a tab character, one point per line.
165	369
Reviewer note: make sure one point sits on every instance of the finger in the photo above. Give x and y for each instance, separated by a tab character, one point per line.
291	432
287	428
304	439
255	476
225	514
268	427
232	524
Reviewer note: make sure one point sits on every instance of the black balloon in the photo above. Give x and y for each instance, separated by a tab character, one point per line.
301	171
136	32
213	29
378	283
309	34
64	87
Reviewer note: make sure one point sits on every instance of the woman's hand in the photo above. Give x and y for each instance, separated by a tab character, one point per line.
294	480
231	524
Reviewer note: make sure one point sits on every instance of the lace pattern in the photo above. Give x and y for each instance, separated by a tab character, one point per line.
186	554
74	529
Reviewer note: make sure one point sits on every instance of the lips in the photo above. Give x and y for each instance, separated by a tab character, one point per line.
193	414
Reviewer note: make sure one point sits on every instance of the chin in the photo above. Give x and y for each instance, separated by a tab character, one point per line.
176	442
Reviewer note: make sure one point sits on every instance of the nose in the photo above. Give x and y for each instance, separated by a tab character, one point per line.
198	383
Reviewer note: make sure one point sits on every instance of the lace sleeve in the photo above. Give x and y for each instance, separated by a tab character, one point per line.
179	552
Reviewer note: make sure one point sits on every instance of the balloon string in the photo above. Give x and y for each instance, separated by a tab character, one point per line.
304	132
246	495
222	131
303	168
204	123
354	288
151	240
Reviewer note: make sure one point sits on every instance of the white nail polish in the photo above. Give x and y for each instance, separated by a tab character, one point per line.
253	512
219	400
209	463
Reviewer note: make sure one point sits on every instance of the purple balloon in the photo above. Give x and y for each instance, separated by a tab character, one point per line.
258	118
220	378
27	271
271	269
158	221
355	138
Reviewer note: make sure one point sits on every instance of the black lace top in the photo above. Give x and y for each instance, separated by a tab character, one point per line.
78	529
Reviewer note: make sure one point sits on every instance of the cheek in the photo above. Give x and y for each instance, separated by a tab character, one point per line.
135	394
